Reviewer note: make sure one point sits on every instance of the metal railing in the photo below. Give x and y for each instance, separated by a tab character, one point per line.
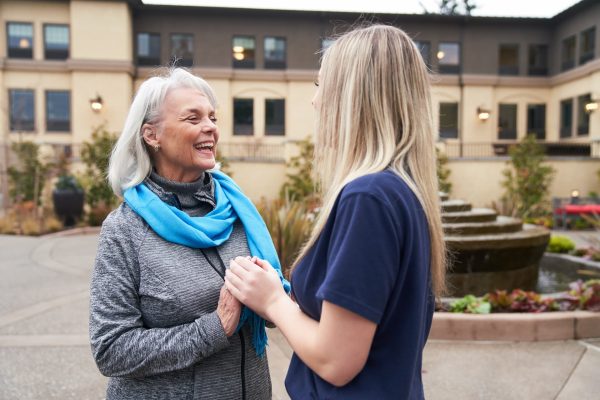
501	149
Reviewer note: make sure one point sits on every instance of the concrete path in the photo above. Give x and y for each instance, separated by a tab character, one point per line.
44	349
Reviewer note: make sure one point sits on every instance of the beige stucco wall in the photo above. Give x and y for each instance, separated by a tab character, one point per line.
479	181
36	12
104	30
259	180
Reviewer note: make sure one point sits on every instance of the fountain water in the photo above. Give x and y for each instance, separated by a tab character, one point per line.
488	251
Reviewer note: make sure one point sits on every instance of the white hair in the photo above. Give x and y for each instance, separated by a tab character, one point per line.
130	162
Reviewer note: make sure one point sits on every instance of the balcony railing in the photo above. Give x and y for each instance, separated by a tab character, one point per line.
501	149
253	152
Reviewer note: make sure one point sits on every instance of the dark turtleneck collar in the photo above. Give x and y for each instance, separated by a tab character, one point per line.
186	194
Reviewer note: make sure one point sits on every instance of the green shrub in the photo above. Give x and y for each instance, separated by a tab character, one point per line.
300	184
527	180
443	172
470	304
28	178
560	244
96	154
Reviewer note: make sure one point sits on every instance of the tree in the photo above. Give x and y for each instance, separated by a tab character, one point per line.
454	7
443	172
28	179
95	155
527	180
300	185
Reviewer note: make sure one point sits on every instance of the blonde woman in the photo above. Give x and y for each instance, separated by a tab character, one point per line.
366	281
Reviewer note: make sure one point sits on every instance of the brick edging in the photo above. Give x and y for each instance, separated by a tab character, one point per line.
526	327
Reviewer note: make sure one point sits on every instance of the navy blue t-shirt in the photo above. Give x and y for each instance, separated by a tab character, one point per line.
371	258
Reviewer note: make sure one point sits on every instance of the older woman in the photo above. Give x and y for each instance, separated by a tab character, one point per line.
366	280
162	325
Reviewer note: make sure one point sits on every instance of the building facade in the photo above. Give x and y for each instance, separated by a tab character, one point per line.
71	66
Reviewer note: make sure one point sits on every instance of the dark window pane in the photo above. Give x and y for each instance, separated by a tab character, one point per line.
448	56
22	114
58	111
275	56
425	50
449	120
275	117
508	59
20	40
148	49
243	116
507	121
587	43
56	42
182	50
536	120
243	51
568	53
583	117
538	60
566	118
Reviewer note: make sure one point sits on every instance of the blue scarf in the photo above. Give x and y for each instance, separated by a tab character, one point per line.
212	230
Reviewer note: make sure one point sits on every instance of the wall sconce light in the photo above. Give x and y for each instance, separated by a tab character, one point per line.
96	103
483	114
591	106
574	196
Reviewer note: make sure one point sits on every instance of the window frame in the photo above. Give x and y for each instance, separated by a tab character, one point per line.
57	125
564	131
540	133
582	100
18	52
451	132
508	69
148	61
243	64
11	121
449	68
420	44
274	131
590	54
275	64
50	54
570	63
181	62
237	125
507	133
533	69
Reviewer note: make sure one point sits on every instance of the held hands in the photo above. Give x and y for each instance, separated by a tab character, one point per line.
255	283
229	310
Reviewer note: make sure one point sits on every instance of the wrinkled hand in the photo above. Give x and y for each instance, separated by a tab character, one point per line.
255	283
228	310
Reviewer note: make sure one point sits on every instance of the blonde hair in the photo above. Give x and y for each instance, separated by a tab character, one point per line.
130	162
375	113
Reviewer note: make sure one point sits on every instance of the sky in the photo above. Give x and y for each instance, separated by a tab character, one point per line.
503	8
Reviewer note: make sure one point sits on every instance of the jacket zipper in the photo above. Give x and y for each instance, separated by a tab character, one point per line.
241	335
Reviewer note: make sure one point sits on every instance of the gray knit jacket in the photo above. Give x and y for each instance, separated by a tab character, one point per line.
154	328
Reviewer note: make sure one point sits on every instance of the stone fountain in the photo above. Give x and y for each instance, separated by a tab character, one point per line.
488	251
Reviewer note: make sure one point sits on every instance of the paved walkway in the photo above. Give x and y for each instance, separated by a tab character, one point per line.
44	350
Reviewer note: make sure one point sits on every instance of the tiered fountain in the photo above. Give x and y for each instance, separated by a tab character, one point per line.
488	251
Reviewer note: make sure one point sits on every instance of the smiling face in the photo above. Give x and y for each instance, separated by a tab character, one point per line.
186	134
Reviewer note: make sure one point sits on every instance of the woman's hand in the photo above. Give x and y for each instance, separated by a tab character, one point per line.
255	283
228	310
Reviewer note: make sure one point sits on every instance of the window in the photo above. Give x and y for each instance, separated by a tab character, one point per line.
538	60
507	122
182	49
325	43
56	42
587	42
583	117
449	120
243	51
536	120
243	116
22	114
448	56
20	40
275	53
508	61
275	117
58	111
148	49
566	118
568	53
425	50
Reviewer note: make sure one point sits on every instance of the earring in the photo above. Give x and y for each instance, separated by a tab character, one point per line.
156	148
